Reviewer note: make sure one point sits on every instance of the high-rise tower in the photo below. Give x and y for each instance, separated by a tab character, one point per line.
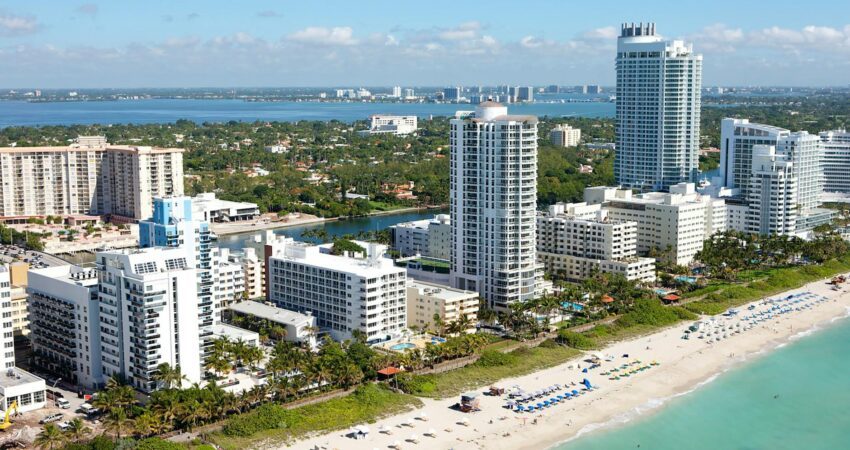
658	110
493	202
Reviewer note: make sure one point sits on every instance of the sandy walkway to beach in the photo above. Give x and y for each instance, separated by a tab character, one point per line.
683	365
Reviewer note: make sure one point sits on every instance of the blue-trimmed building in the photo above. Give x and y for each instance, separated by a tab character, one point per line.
172	225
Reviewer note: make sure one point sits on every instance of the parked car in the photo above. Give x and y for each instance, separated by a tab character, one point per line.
51	418
63	403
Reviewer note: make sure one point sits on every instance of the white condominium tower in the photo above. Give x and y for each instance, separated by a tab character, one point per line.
836	161
658	110
493	179
148	314
737	138
772	192
739	168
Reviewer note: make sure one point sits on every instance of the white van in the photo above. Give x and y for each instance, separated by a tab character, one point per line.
62	403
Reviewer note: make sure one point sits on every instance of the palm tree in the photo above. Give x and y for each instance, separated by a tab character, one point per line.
147	424
77	430
117	422
169	377
50	438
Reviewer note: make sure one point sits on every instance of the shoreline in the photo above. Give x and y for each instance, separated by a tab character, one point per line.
252	226
685	366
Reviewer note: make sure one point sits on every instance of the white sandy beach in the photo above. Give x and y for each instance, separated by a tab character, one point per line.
684	364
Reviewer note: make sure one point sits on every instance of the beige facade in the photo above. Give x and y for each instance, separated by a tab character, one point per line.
675	223
565	136
424	300
134	175
87	177
255	276
576	240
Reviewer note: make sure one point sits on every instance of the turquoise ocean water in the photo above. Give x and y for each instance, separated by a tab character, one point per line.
796	397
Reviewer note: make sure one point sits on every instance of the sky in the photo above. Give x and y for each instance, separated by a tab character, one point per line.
335	43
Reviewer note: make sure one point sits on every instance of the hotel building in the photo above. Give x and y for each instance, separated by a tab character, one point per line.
149	315
658	110
836	161
65	324
343	292
675	224
576	240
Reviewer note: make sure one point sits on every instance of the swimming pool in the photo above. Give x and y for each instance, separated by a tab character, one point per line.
404	346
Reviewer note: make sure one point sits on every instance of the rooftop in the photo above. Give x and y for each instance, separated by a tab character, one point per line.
14	376
70	274
272	313
440	291
234	333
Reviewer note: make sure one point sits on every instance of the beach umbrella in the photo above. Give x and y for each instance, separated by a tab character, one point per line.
520	408
423	416
397	444
414	438
432	432
575	392
540	405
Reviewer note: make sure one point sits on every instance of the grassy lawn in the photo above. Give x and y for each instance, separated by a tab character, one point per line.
490	370
761	283
382	206
366	405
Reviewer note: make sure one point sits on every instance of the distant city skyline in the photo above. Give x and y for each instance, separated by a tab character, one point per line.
49	44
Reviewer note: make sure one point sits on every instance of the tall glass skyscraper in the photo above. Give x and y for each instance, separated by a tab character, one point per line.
658	110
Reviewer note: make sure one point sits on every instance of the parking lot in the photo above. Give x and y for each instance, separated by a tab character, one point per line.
36	260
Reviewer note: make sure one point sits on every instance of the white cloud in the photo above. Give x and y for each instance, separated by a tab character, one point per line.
604	33
325	36
12	25
89	9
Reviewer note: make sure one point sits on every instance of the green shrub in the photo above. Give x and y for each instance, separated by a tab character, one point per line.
155	443
575	340
416	384
493	358
266	417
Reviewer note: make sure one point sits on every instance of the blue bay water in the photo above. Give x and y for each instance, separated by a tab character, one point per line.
810	376
20	113
333	228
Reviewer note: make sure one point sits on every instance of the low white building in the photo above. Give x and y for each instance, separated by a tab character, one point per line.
208	208
425	300
236	334
428	237
389	124
300	328
344	292
577	240
24	389
675	224
565	136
